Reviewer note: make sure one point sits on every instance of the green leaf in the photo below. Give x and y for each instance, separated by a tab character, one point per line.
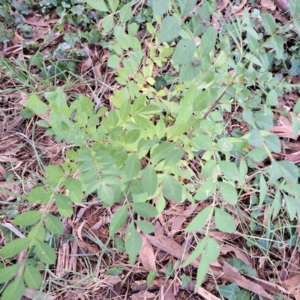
35	104
106	195
201	273
37	232
97	4
169	29
118	220
202	142
132	166
206	190
32	277
107	24
208	41
149	180
285	169
210	254
184	52
160	7
208	169
224	144
242	267
8	273
272	98
258	154
212	250
150	109
15	247
64	205
200	220
145	226
125	13
39	195
151	276
186	6
113	61
45	253
144	210
54	225
277	44
74	187
113	4
15	290
243	169
189	71
243	294
185	280
273	142
172	189
255	138
174	157
161	151
125	110
248	116
228	193
268	23
264	119
195	253
133	243
28	218
294	8
229	169
132	136
55	176
292	205
224	221
263	188
228	291
297	106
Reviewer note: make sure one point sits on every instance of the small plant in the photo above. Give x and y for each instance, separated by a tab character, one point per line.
139	153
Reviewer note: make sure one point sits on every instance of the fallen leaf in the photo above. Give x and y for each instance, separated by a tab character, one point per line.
238	253
147	255
37	295
268	4
292	283
86	65
167	291
143	295
283	5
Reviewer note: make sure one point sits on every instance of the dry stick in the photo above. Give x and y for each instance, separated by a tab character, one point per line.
215	103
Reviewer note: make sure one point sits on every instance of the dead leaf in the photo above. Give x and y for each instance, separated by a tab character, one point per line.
177	224
283	5
86	65
37	295
147	255
236	9
238	253
233	275
143	295
292	283
268	285
167	291
88	248
109	279
168	245
268	4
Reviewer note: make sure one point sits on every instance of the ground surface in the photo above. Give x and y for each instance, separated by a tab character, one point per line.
89	265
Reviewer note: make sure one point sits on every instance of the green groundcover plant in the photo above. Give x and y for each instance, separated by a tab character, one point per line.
167	122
